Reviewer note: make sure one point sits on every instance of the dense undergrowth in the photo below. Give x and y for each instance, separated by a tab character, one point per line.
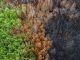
12	47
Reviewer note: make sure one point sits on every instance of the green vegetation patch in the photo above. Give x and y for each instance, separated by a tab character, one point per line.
12	47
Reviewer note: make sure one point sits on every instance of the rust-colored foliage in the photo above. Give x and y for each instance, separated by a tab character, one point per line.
36	29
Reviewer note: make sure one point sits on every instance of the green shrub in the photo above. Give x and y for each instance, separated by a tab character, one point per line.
12	47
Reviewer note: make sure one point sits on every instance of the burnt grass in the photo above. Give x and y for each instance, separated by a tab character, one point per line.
65	33
65	36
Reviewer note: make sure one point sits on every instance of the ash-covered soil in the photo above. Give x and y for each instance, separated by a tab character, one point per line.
64	30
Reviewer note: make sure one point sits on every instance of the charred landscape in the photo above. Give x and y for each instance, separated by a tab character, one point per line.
54	27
